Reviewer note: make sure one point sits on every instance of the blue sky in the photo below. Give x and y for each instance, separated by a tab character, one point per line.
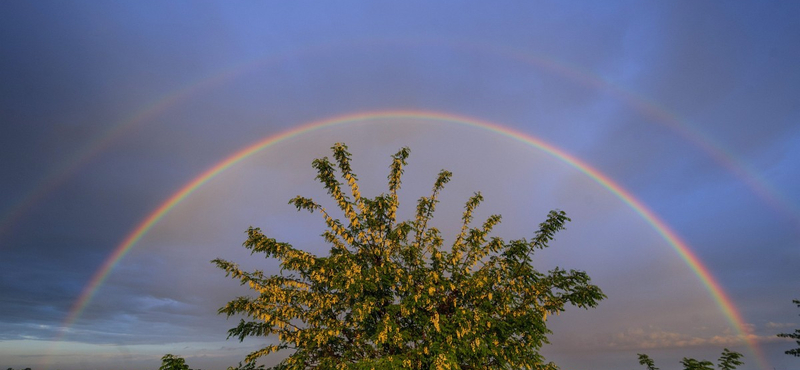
108	109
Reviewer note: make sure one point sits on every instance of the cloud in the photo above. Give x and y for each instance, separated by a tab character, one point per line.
656	338
776	325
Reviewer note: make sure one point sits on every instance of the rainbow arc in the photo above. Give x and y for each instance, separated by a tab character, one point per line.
713	287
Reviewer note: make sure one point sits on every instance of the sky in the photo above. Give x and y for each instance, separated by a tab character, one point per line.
668	131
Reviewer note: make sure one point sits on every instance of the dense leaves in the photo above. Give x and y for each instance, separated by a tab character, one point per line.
796	335
390	295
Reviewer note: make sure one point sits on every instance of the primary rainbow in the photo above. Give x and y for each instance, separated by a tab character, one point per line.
715	290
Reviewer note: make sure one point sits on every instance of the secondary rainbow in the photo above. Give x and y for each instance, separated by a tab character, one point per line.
715	290
649	109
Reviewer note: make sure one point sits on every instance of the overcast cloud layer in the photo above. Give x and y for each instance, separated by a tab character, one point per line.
109	109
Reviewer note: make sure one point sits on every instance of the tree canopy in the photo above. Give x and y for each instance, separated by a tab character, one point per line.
389	295
796	335
172	362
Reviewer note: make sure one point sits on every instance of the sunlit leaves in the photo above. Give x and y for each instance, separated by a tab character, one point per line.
391	296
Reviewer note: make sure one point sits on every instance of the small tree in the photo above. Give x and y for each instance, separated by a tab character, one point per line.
728	361
247	366
389	296
647	361
796	335
172	362
692	364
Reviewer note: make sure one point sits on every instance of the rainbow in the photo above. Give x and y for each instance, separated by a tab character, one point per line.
658	114
715	290
103	141
647	108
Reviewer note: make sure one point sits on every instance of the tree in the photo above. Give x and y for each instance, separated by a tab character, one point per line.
647	361
247	366
796	335
389	296
172	362
728	361
692	364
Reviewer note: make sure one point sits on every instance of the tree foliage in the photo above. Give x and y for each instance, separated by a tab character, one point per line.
729	360
251	365
390	295
692	364
796	335
647	362
172	362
